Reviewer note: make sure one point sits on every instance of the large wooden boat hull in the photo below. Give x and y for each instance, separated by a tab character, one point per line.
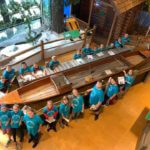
54	86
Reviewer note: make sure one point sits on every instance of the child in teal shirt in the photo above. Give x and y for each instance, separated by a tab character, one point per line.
125	39
24	70
118	43
16	123
9	73
5	118
77	55
111	91
4	85
96	98
54	63
77	104
87	50
129	79
64	110
33	123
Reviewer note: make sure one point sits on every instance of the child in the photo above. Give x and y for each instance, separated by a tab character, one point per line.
50	113
33	123
77	104
5	118
112	91
16	123
96	99
54	63
64	110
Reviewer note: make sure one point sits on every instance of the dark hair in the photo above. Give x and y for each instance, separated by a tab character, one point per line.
23	63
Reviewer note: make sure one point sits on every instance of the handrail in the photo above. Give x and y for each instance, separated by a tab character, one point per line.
22	52
64	44
41	45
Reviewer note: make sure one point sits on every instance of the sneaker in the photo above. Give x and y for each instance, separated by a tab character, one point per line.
30	140
96	117
8	142
49	129
34	145
55	129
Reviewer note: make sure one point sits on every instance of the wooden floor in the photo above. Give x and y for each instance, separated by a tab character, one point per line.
118	128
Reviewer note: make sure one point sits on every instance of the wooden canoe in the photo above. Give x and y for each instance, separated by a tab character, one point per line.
79	76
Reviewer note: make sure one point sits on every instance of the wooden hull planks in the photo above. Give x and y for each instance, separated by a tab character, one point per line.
74	74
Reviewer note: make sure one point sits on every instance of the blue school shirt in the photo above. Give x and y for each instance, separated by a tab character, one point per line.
87	51
96	95
117	44
77	56
53	64
4	118
15	118
112	90
50	112
130	81
64	109
37	69
3	86
125	40
22	71
9	75
77	104
32	124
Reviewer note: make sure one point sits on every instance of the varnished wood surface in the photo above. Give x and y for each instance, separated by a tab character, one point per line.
44	88
135	59
41	89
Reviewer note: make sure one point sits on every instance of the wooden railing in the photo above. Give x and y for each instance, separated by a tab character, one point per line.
42	49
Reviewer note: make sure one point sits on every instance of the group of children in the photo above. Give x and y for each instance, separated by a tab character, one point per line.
9	73
13	120
89	51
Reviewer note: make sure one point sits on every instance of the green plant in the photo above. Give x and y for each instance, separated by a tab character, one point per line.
23	10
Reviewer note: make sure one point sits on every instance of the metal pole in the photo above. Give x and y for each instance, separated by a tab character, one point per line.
111	30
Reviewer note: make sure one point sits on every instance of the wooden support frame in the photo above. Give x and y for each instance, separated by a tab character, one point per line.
90	14
42	51
111	30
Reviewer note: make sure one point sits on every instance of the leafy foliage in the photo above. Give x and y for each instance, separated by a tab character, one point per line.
23	10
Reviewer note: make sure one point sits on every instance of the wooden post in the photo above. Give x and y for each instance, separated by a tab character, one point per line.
90	14
84	42
111	30
93	33
42	51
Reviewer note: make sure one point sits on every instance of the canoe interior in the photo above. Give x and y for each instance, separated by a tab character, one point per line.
38	90
134	58
97	72
61	83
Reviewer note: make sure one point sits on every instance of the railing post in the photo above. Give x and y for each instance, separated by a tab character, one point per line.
85	37
42	51
93	33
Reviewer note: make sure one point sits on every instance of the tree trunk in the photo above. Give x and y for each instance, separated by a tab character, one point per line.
4	14
57	15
